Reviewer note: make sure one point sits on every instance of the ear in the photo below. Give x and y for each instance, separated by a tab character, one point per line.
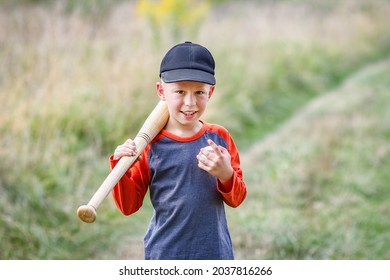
211	91
160	91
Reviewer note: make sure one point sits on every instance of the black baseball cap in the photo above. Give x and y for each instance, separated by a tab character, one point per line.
188	62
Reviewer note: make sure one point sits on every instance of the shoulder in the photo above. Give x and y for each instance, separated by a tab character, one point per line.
214	127
218	129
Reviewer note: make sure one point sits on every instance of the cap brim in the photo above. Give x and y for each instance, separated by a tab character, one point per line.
179	75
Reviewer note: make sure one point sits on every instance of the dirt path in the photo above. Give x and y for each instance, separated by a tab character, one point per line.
295	122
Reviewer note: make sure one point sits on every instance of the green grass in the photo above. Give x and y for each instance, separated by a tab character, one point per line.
318	187
73	87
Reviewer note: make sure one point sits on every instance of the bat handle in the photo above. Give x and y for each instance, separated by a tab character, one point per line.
87	213
151	127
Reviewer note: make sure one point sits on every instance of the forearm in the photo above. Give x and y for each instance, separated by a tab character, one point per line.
130	191
233	190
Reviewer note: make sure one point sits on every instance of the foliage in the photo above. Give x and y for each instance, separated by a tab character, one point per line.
178	17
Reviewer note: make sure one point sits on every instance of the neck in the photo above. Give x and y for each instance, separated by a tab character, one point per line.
183	130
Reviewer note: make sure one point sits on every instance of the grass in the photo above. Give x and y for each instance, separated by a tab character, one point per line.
319	185
72	87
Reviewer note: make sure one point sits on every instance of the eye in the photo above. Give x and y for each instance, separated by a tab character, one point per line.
200	92
180	91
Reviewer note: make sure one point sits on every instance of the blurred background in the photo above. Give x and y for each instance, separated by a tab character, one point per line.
303	86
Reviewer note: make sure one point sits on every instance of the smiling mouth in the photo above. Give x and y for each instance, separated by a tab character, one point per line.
189	114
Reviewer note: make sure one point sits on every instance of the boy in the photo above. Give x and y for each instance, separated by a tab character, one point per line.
191	167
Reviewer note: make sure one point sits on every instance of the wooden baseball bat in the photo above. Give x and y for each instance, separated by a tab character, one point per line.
151	127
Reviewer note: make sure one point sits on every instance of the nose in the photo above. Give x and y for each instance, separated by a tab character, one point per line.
189	99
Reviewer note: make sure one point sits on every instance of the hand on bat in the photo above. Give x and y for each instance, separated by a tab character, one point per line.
216	160
126	149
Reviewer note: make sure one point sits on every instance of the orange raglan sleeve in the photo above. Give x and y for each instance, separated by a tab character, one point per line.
130	191
235	192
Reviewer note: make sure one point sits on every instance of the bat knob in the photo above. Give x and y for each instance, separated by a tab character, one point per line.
87	213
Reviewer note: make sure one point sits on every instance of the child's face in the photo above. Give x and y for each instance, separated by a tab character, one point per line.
186	101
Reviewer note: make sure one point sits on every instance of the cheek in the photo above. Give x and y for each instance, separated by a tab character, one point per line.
202	103
174	103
